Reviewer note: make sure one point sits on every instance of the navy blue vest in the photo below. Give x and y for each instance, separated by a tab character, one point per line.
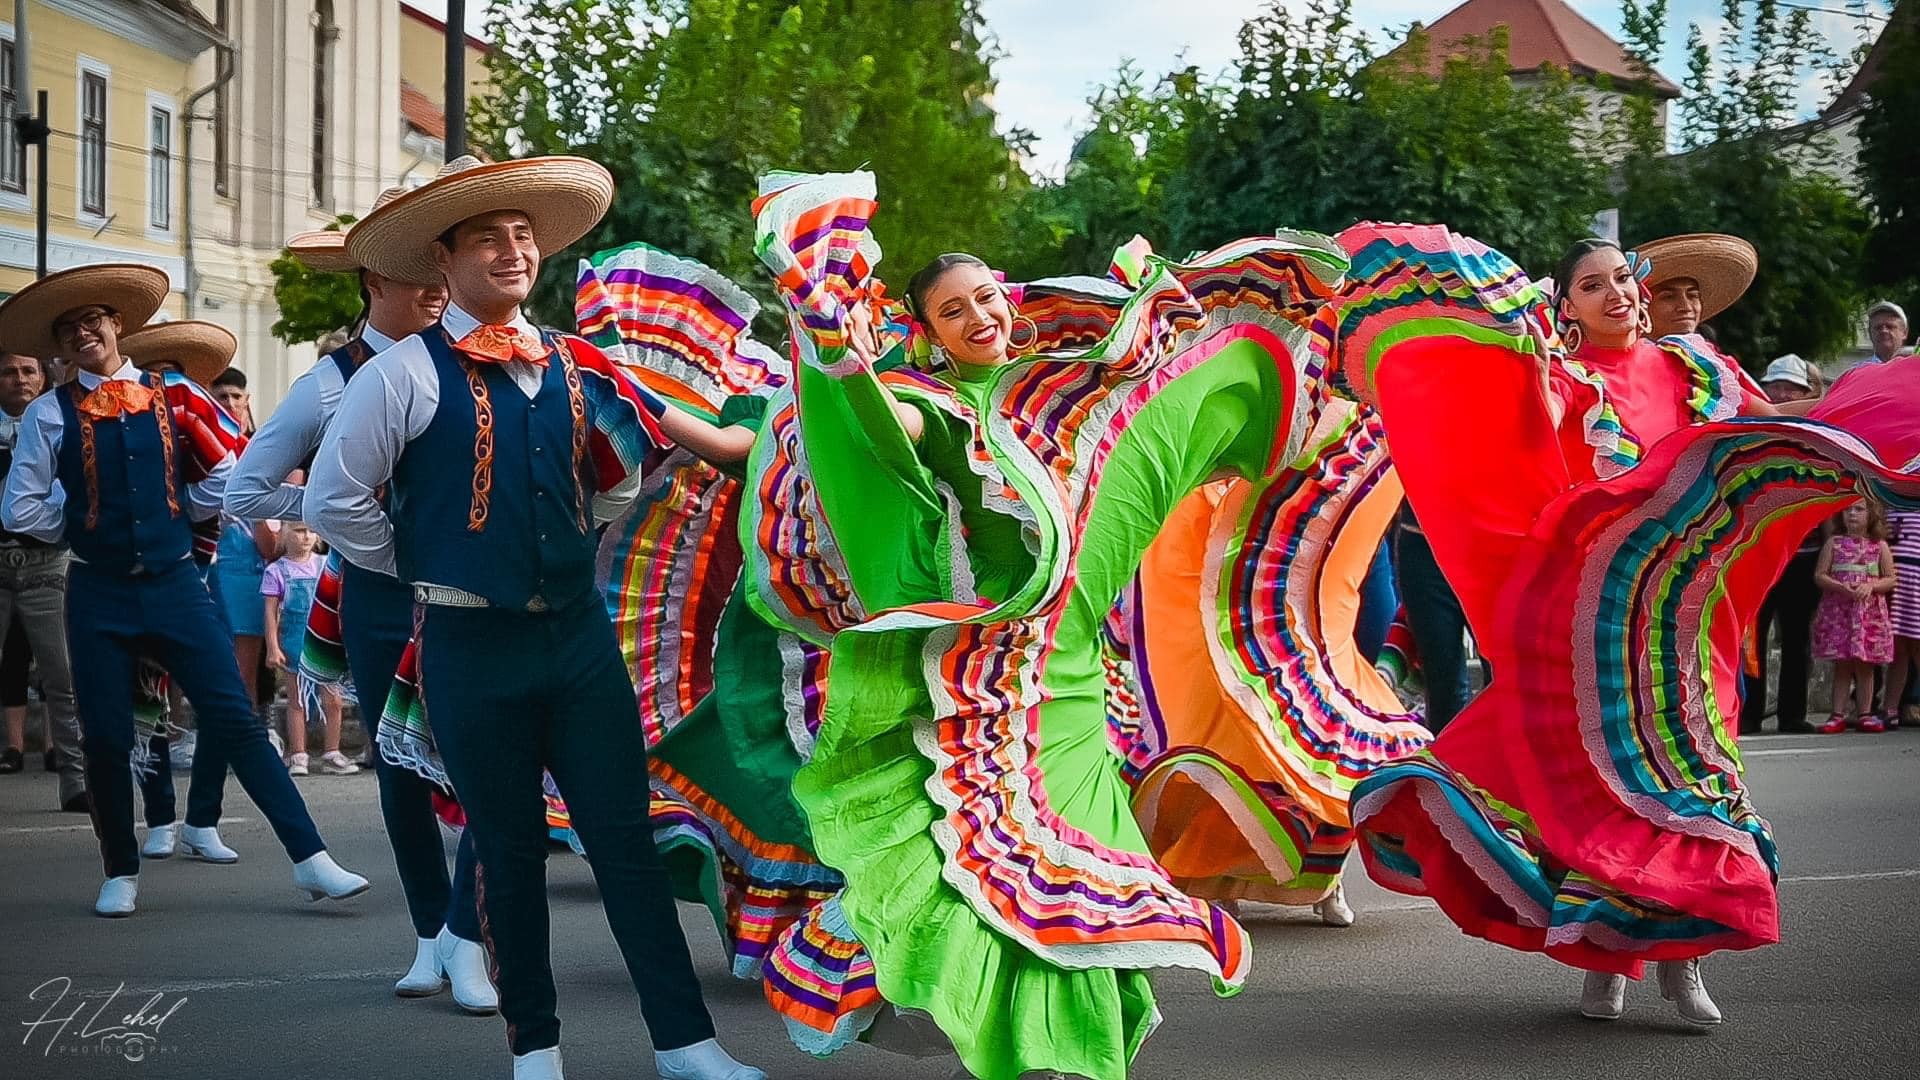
123	509
498	508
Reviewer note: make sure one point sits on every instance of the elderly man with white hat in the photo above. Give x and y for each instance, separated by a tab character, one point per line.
119	463
1887	329
501	450
374	616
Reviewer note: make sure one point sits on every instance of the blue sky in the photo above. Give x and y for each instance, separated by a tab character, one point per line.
1056	51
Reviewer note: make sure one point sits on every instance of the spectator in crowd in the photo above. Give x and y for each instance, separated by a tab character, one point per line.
1852	626
1905	611
230	390
288	587
1887	330
33	589
1790	603
16	671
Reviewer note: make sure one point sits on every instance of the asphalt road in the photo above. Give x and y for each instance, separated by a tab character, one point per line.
253	982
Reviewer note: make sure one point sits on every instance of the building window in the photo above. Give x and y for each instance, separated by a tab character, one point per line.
324	34
13	152
160	168
222	112
93	143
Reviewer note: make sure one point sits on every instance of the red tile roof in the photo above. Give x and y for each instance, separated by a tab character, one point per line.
421	113
1539	32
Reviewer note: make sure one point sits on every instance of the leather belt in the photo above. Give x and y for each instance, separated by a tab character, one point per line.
447	596
13	558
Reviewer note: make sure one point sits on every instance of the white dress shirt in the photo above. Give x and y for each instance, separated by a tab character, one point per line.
259	488
35	503
387	405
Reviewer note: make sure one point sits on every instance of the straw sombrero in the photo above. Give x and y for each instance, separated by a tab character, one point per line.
562	196
1723	266
325	250
133	290
202	349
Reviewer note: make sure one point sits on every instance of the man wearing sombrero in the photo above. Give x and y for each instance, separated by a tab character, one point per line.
118	463
1694	278
198	352
375	617
502	450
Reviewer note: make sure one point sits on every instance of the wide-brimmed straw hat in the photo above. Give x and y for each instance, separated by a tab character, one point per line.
562	196
325	250
133	290
202	350
1722	266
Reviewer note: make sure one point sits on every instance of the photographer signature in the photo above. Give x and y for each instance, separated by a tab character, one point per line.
130	1035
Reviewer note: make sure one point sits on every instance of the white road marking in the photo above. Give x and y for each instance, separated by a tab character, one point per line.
1870	875
1783	751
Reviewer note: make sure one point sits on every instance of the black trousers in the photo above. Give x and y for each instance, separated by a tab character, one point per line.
1789	604
508	694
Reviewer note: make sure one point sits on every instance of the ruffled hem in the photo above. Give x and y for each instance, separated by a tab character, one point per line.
1427	835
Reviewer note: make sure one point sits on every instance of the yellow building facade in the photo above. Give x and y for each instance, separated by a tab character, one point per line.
197	135
117	76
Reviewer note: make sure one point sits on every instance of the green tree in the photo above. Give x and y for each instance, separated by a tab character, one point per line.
312	303
688	102
1889	165
1744	172
1314	132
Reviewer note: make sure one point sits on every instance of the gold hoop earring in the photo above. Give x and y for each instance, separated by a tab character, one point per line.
1032	340
1571	338
1646	321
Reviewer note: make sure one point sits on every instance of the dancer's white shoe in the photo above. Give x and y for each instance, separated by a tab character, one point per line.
426	977
702	1061
1603	996
1333	910
161	842
1681	984
116	897
323	879
465	965
205	844
538	1065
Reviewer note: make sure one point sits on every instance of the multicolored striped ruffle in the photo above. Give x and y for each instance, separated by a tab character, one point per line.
820	980
1250	761
323	653
676	317
755	888
667	566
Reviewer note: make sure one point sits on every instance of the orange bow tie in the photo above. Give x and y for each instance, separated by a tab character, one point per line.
501	344
118	397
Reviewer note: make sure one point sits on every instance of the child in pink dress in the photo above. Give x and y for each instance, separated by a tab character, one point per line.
288	587
1852	626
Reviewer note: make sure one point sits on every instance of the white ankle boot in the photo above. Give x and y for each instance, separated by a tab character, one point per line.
323	879
205	844
161	842
1603	996
1333	910
465	964
426	977
538	1065
116	897
1681	984
702	1061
